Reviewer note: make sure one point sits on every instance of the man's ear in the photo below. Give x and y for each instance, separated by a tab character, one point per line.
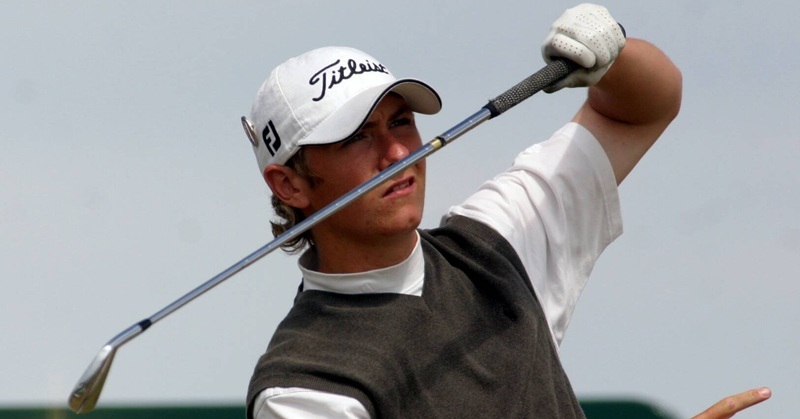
287	185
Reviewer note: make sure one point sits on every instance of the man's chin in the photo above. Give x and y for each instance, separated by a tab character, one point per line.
408	224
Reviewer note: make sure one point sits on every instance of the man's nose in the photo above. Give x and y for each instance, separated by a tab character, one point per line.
395	150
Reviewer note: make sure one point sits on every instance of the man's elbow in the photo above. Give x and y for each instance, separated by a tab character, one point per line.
673	94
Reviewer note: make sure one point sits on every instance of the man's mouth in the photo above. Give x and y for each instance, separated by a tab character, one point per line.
398	188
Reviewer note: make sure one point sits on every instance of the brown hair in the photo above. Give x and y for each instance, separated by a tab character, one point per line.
288	216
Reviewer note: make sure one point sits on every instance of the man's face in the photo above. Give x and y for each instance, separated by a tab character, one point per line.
395	207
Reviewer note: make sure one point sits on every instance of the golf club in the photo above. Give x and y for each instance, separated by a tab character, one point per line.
86	392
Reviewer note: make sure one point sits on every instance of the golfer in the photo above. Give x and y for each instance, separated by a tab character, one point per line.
463	320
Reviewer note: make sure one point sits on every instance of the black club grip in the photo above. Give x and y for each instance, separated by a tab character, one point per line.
537	81
548	75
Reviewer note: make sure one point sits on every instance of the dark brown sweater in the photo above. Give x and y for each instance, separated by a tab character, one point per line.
475	344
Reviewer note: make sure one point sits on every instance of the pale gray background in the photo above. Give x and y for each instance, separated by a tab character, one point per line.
126	181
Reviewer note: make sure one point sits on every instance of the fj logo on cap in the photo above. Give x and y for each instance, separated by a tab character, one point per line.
329	79
271	138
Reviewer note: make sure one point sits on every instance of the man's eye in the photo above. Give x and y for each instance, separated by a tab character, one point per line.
401	121
354	138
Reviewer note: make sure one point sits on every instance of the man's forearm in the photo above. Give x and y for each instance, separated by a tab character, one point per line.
642	87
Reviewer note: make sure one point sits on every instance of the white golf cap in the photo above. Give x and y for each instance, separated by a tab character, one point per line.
322	97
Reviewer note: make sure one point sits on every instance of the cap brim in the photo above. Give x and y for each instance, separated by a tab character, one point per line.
351	116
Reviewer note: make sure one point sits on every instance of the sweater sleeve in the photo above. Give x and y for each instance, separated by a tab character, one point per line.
559	208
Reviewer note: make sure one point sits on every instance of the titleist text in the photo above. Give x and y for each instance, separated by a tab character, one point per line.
328	79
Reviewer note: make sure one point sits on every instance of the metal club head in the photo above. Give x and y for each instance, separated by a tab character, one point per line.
86	392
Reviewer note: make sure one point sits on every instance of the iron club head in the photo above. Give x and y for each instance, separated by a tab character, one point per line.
86	392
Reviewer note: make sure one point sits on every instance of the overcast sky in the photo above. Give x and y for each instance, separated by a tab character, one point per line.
126	181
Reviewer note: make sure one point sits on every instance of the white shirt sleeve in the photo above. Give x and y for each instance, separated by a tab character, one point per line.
293	402
559	208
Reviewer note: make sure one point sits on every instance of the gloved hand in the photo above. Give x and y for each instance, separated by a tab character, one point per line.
590	37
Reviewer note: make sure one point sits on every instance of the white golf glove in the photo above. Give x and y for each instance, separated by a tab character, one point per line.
590	37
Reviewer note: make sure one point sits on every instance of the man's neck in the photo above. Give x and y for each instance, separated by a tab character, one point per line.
344	256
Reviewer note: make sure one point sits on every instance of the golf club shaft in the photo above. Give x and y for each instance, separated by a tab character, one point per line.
502	103
88	388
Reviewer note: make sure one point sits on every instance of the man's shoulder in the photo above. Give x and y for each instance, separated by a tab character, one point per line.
462	232
472	246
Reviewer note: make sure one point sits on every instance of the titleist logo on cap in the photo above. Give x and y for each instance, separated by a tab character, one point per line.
329	79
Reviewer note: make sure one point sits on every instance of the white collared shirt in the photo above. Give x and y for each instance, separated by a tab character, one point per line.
406	277
558	207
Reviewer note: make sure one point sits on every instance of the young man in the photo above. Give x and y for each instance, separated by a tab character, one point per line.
462	320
